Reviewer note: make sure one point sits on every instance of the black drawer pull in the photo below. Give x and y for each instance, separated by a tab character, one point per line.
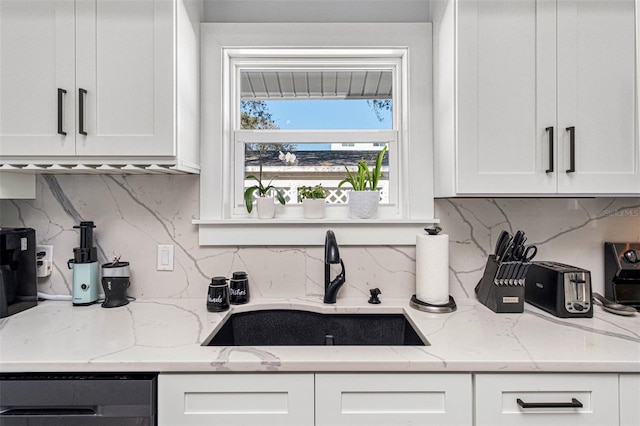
49	411
81	93
61	93
550	131
573	404
572	149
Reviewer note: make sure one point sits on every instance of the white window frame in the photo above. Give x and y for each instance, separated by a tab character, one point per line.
227	48
237	60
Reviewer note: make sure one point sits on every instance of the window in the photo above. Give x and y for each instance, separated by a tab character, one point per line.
304	121
327	97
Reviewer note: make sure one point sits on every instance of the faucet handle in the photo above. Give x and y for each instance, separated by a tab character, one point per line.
375	292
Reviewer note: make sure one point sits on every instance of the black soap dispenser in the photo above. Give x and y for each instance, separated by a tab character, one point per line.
218	295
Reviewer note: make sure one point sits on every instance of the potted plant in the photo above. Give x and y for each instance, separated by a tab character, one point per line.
313	201
365	196
265	205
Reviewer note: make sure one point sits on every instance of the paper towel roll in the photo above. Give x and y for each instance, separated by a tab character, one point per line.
432	268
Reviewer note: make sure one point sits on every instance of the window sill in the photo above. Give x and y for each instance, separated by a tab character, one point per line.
309	232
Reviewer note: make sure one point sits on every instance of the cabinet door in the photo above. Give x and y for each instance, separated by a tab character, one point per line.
393	399
235	399
36	60
629	397
597	56
505	399
125	65
506	96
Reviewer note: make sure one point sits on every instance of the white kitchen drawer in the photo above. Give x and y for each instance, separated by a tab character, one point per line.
393	399
497	395
235	399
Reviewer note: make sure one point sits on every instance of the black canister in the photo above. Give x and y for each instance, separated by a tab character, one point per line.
218	295
239	288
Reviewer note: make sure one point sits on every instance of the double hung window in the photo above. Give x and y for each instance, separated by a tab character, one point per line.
295	104
302	122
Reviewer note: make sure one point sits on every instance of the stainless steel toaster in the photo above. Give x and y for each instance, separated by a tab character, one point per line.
562	290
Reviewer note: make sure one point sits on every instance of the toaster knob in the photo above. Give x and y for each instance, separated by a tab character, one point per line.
578	307
631	256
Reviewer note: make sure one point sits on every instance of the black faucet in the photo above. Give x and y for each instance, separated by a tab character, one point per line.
332	257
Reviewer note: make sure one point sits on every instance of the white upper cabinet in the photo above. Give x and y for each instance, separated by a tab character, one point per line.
100	78
516	81
504	102
597	96
37	77
124	63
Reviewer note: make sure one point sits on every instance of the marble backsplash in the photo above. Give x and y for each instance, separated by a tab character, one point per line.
134	214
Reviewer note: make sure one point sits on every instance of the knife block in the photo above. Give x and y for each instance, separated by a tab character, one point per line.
500	298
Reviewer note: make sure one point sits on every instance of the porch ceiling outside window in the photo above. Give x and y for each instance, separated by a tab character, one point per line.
309	84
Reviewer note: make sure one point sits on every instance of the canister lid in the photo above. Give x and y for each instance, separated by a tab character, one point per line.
218	281
239	275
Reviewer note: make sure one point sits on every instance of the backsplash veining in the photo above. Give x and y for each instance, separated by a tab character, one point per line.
134	214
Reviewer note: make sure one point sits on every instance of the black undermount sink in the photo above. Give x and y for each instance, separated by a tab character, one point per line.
281	327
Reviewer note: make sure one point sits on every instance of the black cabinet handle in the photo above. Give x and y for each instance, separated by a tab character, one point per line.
20	413
550	131
61	93
572	149
573	404
81	93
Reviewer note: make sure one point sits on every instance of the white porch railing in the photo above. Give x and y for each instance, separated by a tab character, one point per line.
335	195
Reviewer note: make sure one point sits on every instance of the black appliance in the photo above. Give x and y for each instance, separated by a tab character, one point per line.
70	399
18	280
115	282
562	290
622	273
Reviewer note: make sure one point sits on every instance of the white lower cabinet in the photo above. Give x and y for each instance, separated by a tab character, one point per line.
235	399
393	399
546	399
367	399
396	399
629	399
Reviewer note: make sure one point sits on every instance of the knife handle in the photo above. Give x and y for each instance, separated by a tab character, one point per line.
549	130
572	149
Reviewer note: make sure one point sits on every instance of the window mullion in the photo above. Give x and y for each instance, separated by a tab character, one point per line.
315	136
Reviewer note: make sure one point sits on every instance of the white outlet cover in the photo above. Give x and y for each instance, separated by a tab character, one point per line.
165	257
44	268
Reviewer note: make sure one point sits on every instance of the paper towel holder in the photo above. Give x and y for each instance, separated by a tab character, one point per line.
429	307
435	309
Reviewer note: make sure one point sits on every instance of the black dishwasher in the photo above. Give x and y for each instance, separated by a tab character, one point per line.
78	399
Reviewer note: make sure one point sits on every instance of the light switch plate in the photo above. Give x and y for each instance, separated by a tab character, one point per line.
165	257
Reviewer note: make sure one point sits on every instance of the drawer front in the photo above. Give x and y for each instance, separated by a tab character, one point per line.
235	399
546	399
393	399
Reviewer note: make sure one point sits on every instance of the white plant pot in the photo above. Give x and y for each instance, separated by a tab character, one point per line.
266	207
364	204
313	208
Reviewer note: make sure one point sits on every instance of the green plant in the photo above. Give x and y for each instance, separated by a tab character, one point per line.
263	190
313	193
364	178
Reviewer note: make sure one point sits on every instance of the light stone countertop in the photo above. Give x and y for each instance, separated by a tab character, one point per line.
164	335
